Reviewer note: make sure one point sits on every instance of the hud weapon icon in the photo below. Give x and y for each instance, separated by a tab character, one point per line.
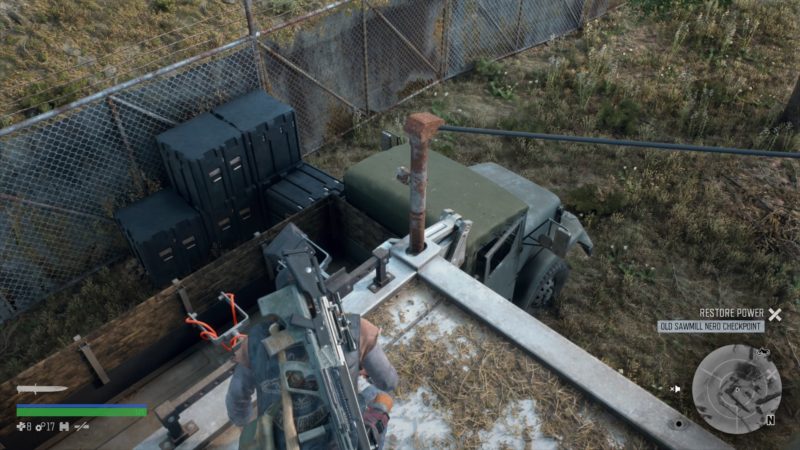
35	389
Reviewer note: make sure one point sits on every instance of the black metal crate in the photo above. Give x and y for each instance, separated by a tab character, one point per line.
237	221
249	213
284	198
166	235
315	181
206	159
298	190
222	226
270	132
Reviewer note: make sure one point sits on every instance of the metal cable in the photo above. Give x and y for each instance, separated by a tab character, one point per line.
621	142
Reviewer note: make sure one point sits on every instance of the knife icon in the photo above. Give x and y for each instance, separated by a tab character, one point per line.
36	389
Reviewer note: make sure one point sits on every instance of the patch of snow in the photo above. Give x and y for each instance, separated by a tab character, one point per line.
507	432
415	418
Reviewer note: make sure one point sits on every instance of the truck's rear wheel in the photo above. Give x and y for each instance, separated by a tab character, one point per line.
540	281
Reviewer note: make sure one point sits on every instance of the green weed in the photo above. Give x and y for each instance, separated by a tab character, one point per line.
620	118
665	7
164	6
489	70
495	76
41	97
591	199
504	91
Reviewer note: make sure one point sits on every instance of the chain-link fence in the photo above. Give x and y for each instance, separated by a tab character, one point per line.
64	173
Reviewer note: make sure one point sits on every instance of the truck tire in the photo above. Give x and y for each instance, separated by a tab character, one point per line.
540	281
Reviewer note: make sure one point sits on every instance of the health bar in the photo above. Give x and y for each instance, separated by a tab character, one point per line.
81	410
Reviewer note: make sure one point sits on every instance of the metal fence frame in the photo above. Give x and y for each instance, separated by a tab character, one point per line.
62	173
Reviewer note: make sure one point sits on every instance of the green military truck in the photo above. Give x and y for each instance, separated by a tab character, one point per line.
520	232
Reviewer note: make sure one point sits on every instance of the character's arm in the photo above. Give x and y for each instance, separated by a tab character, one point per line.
240	393
380	371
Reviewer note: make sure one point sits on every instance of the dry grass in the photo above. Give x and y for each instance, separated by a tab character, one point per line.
54	52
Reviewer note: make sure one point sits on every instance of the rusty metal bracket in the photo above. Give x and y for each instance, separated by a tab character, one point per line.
187	303
84	347
382	276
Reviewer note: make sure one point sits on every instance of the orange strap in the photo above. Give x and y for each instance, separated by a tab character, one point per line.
208	331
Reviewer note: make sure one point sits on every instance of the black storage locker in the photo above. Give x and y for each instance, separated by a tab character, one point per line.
166	235
284	198
222	226
315	181
297	190
249	213
206	160
237	221
270	132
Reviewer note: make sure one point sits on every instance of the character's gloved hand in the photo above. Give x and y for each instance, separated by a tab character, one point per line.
376	418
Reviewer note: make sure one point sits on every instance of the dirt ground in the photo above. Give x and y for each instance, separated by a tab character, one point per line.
674	232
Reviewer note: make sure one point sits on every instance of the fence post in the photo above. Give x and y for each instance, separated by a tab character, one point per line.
445	41
517	38
251	22
254	33
365	49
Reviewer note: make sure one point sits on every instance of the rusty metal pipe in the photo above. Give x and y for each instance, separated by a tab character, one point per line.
420	127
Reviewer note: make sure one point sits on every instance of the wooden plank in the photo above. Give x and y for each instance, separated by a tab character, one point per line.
153	319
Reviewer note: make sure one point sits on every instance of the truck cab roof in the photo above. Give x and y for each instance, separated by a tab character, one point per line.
371	186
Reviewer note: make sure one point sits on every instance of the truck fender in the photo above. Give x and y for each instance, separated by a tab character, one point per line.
577	233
